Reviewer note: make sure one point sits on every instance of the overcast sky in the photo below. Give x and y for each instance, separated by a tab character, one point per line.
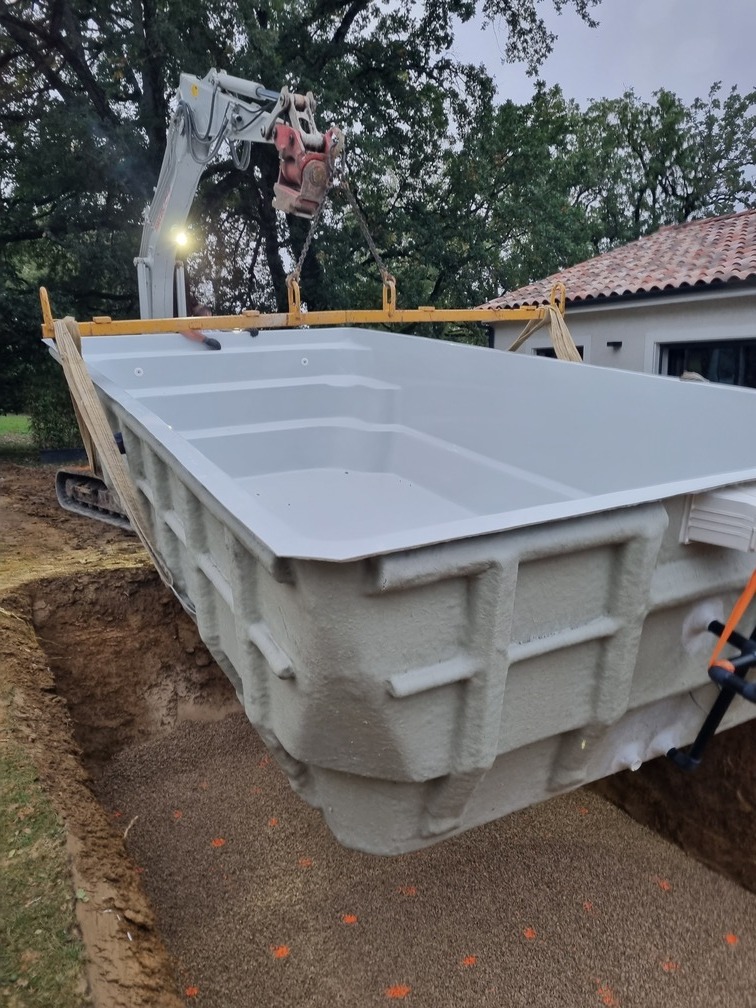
681	45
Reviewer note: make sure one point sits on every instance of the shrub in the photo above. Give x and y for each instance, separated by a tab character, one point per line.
51	414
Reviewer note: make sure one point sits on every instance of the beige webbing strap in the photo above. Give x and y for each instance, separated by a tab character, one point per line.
86	437
563	343
95	423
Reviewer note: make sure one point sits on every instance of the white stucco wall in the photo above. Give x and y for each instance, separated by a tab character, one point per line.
643	326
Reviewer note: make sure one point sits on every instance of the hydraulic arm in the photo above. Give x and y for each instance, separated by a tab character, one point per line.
210	112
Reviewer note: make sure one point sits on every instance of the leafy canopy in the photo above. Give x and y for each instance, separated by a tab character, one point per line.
465	196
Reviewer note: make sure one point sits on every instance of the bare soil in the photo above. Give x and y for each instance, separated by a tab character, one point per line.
210	883
711	813
42	549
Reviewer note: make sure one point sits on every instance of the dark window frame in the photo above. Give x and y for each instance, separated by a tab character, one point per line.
726	362
551	352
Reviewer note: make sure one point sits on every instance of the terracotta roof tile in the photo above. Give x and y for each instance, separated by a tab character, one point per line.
715	250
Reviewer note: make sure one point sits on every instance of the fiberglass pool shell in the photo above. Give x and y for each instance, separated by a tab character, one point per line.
446	582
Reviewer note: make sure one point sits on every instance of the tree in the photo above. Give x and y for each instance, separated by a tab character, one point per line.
646	164
86	88
546	185
463	197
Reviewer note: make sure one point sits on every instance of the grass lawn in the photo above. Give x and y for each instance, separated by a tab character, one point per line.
15	437
40	951
13	424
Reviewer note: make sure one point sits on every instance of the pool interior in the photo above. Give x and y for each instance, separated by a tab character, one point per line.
348	433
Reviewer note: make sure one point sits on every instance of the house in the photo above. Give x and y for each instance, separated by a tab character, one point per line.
680	300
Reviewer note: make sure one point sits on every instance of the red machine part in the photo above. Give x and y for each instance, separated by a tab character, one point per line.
303	174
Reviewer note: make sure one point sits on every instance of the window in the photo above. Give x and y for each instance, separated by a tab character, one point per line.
728	362
550	352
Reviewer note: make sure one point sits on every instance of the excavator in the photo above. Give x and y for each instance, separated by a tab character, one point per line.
211	113
217	110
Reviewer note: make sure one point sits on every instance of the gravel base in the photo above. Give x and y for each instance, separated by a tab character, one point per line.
570	903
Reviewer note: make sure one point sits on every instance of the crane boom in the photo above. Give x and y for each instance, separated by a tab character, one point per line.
211	111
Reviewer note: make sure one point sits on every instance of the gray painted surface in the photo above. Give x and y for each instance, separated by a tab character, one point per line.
446	582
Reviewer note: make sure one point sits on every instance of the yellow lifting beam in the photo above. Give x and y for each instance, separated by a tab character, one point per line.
389	314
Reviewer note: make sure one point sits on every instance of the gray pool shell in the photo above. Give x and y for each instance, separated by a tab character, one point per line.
446	582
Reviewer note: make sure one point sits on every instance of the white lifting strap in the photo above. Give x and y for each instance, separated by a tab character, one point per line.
97	431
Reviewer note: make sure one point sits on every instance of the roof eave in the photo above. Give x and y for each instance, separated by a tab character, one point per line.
734	283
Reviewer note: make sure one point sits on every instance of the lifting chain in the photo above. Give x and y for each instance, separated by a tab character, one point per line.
292	280
365	229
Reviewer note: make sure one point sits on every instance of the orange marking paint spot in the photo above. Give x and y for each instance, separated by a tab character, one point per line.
305	862
217	842
670	966
588	906
177	814
732	939
398	991
606	996
583	810
470	960
664	884
280	951
348	919
117	815
529	933
273	822
265	761
407	890
191	991
203	785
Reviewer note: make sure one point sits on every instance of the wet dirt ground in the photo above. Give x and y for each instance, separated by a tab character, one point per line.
211	884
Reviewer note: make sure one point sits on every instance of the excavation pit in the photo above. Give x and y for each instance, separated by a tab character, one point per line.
126	659
257	904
